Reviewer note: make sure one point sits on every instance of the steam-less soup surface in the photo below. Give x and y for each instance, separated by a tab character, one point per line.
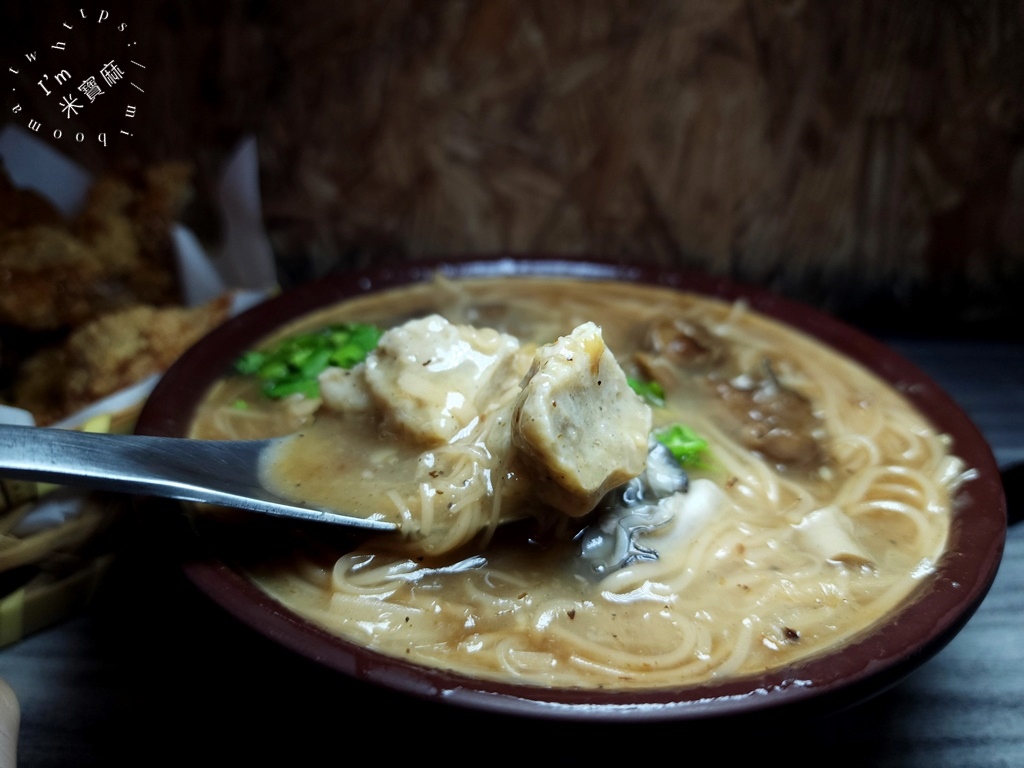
820	503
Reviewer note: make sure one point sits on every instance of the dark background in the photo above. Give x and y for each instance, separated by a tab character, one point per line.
864	157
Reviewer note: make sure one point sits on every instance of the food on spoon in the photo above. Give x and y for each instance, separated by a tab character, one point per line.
555	429
748	559
578	427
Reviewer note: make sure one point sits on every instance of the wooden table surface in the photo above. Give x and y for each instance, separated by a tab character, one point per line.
155	674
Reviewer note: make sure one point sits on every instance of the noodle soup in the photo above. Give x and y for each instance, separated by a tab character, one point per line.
824	500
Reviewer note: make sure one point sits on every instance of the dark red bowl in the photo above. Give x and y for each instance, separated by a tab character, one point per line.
843	677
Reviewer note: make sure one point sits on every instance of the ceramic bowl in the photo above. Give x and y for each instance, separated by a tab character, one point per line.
912	634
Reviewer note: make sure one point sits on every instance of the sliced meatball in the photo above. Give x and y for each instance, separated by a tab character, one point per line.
577	426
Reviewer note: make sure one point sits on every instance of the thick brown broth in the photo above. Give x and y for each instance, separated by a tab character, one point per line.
766	564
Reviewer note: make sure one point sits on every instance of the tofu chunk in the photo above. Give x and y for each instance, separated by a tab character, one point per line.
578	427
431	379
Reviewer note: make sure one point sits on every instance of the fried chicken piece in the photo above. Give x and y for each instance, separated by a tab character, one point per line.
128	222
104	224
115	254
49	279
165	191
80	299
110	353
46	272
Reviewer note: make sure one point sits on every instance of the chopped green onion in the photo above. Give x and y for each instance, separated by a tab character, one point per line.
651	391
313	364
293	364
273	370
249	363
689	448
280	388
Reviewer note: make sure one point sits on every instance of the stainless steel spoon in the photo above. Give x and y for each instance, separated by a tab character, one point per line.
212	471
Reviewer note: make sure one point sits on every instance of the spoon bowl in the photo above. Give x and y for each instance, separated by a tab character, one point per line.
224	472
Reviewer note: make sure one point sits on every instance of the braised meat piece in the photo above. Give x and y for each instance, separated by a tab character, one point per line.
768	417
777	422
672	343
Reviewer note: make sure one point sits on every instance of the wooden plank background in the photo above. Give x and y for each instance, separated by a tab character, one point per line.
865	157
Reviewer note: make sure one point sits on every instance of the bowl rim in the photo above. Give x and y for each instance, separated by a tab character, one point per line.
866	666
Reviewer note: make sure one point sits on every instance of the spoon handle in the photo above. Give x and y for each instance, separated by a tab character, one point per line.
224	472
